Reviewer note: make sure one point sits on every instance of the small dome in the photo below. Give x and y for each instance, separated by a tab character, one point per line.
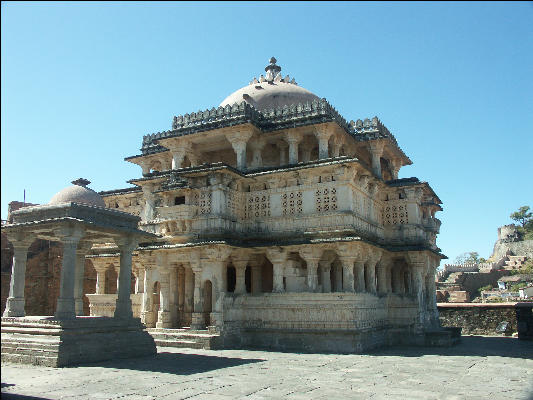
78	193
271	91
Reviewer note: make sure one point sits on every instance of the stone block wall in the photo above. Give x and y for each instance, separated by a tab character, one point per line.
488	319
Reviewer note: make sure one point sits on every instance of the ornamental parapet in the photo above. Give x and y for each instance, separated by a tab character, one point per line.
302	114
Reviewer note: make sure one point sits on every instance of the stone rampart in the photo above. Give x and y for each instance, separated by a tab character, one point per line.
522	248
502	319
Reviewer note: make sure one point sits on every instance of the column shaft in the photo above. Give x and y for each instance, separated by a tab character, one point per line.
278	268
65	303
312	274
15	301
347	274
359	276
123	307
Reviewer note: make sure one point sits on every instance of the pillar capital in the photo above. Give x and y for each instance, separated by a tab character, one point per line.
276	255
20	238
294	137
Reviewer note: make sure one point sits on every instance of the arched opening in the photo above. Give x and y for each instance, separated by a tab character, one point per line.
231	278
111	280
156	290
208	302
156	166
335	275
267	276
89	285
248	279
179	200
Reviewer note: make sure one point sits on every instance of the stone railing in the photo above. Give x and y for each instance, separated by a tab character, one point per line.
317	111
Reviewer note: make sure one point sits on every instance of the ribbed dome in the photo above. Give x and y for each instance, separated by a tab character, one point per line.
78	193
271	91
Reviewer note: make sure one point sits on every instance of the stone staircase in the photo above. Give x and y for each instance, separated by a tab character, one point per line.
185	338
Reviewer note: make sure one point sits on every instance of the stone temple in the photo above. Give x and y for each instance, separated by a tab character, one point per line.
276	223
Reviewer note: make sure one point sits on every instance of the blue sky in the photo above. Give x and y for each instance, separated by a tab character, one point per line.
83	82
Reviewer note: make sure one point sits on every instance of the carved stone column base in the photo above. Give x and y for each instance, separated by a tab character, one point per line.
164	319
14	307
216	319
147	318
198	320
78	306
123	309
65	309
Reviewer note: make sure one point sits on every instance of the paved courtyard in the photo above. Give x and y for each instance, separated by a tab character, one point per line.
478	368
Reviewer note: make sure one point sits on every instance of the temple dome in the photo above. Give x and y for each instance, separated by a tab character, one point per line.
78	193
271	91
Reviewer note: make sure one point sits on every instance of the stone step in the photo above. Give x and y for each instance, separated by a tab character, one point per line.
188	344
183	337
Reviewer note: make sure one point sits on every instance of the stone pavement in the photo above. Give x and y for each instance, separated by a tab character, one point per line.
478	368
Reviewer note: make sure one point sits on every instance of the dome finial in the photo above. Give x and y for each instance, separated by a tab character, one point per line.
81	182
272	70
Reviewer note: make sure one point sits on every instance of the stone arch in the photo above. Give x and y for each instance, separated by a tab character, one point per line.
231	278
89	284
156	166
248	279
111	277
267	276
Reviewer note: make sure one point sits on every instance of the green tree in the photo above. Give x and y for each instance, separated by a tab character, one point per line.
523	216
471	257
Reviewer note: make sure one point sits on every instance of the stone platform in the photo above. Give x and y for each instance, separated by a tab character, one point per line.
56	343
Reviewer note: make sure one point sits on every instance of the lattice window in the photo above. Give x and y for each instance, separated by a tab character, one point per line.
395	215
257	205
233	200
291	203
326	199
203	200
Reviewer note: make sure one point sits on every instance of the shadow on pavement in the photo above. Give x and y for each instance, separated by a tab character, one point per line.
13	396
176	363
480	346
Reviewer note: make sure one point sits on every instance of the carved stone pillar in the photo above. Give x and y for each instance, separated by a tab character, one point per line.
376	151
149	203
181	296
82	250
312	256
145	165
198	320
15	301
178	155
240	271
164	319
147	313
323	135
126	246
278	258
238	141
173	296
359	276
100	277
294	139
347	273
381	269
417	264
325	270
188	301
65	303
282	152
370	282
395	165
257	147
